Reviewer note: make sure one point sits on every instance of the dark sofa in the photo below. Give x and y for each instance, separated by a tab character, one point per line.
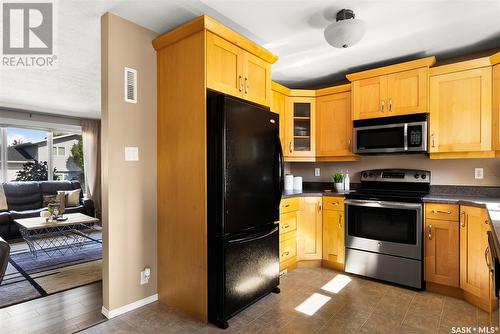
24	200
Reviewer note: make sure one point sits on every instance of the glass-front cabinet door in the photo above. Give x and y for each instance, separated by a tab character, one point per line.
300	120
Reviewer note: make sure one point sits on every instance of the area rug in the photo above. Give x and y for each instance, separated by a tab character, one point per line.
28	278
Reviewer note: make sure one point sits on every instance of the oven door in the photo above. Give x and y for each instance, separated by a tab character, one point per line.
391	228
390	138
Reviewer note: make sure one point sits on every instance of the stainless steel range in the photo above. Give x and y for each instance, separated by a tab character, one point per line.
384	222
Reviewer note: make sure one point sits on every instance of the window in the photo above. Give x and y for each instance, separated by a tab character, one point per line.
27	155
67	149
59	151
39	155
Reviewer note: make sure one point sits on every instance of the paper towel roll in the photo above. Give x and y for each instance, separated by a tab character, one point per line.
288	182
297	183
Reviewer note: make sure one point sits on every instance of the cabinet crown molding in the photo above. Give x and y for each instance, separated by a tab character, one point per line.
464	65
205	22
409	65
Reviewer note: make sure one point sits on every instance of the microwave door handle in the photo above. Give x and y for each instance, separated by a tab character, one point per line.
406	136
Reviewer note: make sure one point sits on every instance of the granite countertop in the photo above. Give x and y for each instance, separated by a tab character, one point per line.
313	193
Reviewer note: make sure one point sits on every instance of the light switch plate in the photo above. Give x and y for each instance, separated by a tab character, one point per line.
317	172
479	173
131	154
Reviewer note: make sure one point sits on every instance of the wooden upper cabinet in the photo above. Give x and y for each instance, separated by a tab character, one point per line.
407	92
441	259
460	111
334	125
224	66
474	271
369	98
496	107
310	229
393	90
256	79
237	72
300	131
278	105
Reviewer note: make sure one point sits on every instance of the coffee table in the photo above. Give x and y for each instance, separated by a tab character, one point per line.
57	236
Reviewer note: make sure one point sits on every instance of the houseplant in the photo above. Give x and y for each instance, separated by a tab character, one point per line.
338	180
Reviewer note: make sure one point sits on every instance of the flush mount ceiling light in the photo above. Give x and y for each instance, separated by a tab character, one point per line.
346	32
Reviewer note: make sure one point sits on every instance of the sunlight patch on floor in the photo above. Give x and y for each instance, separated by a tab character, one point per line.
337	283
312	304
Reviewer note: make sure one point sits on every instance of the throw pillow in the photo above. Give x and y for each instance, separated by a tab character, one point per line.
72	197
49	199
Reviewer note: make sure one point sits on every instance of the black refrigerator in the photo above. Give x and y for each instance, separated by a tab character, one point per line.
245	182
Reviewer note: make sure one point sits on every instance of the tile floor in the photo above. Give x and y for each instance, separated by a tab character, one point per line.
361	306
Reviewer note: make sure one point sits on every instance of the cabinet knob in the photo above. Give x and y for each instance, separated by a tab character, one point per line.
382	105
433	137
247	86
390	105
429	232
240	83
290	148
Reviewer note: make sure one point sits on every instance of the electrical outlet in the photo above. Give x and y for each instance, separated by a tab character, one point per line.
145	275
479	173
317	172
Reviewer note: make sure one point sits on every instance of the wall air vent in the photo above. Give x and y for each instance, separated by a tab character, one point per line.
130	85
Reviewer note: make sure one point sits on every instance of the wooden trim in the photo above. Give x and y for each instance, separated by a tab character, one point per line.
333	90
302	93
460	66
219	29
462	155
339	158
444	290
308	263
210	24
332	265
495	59
300	159
181	32
280	88
409	65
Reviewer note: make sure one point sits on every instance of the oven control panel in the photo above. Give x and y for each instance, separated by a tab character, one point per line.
396	175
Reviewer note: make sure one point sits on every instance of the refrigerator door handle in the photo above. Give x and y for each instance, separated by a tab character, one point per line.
254	237
281	173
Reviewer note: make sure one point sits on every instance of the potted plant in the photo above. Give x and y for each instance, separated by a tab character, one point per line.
338	180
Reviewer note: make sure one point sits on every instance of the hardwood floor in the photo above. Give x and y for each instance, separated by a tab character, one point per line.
65	312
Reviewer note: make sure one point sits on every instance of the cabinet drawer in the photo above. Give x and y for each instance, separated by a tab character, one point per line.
288	221
289	204
333	203
441	211
288	249
288	236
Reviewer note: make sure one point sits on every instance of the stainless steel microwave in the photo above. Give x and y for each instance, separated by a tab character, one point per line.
397	134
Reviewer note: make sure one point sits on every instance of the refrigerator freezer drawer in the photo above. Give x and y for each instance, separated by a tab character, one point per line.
251	271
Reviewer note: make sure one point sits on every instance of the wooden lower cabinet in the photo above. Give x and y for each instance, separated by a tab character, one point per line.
455	252
289	219
441	261
474	270
333	237
310	229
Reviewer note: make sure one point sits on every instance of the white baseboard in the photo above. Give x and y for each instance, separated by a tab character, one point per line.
129	307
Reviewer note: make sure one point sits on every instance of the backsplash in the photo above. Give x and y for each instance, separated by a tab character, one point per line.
443	172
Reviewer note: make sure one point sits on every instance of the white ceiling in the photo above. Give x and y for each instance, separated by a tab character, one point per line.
293	30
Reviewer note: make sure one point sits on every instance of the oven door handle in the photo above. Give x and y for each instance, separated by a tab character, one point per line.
383	204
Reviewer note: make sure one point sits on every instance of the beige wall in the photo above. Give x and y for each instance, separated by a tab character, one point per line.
129	187
443	172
